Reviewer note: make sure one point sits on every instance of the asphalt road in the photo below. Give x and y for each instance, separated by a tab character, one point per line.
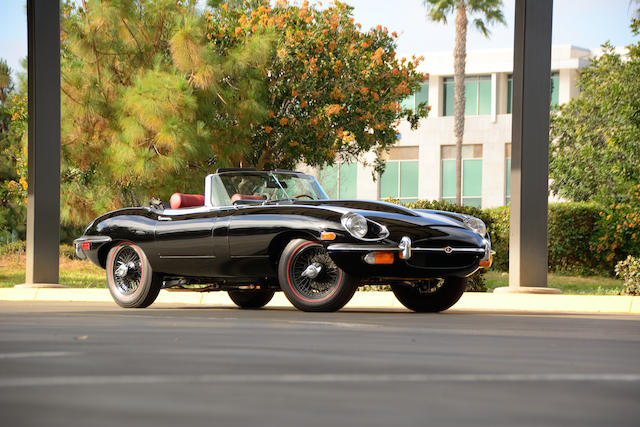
83	364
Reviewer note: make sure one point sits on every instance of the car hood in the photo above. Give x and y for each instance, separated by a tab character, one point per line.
384	209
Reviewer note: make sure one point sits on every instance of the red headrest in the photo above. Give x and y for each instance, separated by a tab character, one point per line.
179	200
237	197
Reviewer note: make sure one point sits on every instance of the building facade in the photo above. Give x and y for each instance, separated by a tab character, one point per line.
422	164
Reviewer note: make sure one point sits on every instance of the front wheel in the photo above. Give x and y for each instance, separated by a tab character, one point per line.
251	299
430	296
131	281
311	280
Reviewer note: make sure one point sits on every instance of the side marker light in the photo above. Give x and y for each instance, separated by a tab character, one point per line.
327	236
379	258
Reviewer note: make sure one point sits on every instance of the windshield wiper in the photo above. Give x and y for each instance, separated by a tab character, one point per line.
287	199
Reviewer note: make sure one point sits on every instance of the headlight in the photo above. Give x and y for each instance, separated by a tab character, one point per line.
355	224
476	225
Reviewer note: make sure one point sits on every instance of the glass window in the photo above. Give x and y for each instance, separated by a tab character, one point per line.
400	180
422	95
340	181
555	83
555	92
507	155
477	91
471	174
389	180
447	108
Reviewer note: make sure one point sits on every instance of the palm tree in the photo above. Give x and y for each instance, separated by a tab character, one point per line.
5	81
483	12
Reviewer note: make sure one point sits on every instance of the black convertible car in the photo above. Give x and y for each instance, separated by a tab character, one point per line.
256	232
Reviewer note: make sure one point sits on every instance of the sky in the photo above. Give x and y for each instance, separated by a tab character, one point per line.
582	23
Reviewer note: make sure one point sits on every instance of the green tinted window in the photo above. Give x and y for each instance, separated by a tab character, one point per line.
329	181
484	95
472	201
449	179
472	177
389	181
508	178
409	102
348	181
471	95
510	94
555	83
409	179
423	93
447	97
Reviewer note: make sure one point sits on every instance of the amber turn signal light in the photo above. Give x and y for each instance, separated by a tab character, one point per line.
379	258
327	236
487	262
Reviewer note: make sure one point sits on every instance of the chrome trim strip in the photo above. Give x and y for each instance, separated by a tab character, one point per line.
370	248
93	239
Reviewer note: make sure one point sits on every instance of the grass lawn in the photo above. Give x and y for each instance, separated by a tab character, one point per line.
593	285
73	272
82	274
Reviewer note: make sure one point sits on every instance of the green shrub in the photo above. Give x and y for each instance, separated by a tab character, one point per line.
629	271
572	233
500	220
13	248
20	246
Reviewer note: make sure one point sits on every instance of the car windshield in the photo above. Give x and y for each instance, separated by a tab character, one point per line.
258	187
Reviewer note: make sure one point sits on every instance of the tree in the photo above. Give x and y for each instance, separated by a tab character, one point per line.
146	109
484	12
331	89
594	148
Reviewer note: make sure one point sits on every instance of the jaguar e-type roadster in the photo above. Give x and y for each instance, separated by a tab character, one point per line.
253	233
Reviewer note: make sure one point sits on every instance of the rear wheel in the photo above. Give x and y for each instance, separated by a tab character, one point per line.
131	281
251	299
430	296
311	280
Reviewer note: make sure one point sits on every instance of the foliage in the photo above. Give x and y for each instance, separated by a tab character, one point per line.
331	89
483	12
13	248
618	229
147	110
629	271
13	167
594	150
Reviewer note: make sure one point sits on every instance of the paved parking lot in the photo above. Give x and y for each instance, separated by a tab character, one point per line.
93	364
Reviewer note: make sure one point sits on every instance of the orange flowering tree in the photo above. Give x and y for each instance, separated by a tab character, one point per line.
330	88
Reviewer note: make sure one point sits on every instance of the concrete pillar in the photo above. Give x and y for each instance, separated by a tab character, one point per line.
43	194
530	147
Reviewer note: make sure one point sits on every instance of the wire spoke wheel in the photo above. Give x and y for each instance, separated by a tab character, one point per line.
327	279
131	280
311	280
127	271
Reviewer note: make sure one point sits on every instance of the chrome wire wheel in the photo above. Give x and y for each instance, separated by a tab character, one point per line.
325	276
127	271
132	282
311	280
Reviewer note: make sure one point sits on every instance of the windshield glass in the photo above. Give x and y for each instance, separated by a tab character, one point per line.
258	187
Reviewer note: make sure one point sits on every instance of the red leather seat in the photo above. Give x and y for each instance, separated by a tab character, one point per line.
179	200
237	197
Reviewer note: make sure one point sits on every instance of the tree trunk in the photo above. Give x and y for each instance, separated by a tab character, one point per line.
459	60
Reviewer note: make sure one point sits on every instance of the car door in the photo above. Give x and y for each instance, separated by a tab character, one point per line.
187	242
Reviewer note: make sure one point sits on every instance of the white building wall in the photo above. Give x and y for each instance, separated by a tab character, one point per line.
493	131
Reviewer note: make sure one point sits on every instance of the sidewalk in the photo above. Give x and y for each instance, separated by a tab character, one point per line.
372	300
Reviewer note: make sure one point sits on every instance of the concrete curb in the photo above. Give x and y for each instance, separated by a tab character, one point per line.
373	300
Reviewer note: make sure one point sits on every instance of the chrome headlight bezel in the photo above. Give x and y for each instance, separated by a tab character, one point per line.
476	225
355	224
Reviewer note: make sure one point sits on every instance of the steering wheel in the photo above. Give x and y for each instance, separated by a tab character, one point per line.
303	195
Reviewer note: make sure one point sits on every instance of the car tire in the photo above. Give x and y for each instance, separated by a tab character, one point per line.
251	299
423	297
132	282
330	290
